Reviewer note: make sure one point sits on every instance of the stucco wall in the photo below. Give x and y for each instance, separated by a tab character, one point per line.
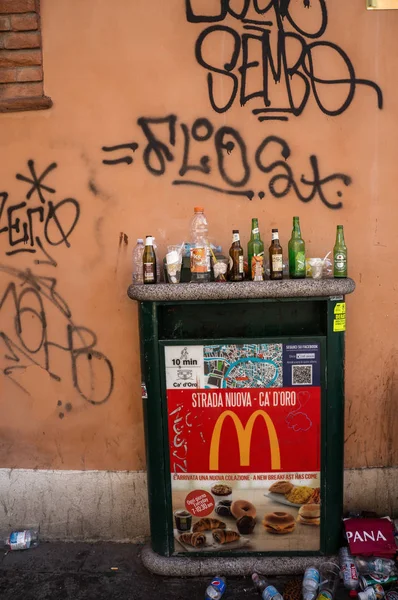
65	318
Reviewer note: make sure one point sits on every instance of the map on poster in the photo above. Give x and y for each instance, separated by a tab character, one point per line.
244	436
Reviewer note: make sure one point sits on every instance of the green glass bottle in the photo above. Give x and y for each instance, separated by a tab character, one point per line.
340	254
255	254
296	252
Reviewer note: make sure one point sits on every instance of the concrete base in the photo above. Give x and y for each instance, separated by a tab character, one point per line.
229	566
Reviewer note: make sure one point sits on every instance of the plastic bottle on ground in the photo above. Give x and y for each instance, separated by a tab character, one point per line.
138	277
22	540
200	251
259	582
374	592
311	581
267	591
216	588
382	566
348	569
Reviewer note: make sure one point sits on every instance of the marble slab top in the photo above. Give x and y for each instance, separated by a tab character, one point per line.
286	288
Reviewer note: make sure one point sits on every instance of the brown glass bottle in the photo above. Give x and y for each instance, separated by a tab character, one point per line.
275	257
149	261
236	272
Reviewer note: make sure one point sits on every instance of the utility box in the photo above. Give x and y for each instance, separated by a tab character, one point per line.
243	392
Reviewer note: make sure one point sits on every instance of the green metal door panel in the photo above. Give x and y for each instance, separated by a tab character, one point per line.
238	322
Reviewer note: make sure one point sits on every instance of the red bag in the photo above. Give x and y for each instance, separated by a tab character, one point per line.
371	536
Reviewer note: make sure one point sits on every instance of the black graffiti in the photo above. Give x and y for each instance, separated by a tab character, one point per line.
124	159
252	51
215	147
31	296
29	226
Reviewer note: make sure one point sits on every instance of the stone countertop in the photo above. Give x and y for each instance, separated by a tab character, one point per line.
286	288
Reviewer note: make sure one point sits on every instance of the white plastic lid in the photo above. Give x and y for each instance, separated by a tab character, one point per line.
140	241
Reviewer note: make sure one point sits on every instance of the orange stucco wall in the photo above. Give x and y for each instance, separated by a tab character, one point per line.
76	404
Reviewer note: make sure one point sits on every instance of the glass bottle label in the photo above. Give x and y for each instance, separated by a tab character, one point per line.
300	262
149	272
255	230
340	261
277	263
235	237
275	235
240	264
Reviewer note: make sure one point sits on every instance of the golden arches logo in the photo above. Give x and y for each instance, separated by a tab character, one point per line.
244	439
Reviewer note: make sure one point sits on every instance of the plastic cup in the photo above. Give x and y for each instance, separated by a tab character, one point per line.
173	265
220	268
330	576
316	265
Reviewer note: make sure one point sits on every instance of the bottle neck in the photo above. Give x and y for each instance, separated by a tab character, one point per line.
255	233
275	238
296	232
340	237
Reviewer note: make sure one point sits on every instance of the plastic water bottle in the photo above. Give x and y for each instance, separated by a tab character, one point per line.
382	566
200	251
311	583
216	589
348	569
267	591
138	277
22	540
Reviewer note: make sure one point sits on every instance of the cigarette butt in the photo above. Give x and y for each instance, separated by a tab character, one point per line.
114	568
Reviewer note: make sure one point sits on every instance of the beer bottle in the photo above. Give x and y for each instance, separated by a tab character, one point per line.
275	257
296	252
236	272
255	254
149	261
340	254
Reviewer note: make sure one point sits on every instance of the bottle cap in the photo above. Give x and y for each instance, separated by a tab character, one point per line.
274	230
235	231
199	209
140	241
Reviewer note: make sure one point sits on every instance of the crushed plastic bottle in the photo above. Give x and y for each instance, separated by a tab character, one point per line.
138	276
348	569
311	582
381	566
216	589
22	540
374	592
267	591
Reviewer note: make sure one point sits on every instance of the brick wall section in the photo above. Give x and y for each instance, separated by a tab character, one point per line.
21	71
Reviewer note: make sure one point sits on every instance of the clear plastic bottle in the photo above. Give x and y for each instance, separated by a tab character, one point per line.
138	277
259	582
200	251
216	588
348	569
311	581
23	539
267	591
381	566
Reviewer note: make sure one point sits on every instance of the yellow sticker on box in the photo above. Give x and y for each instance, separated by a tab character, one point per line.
339	309
339	322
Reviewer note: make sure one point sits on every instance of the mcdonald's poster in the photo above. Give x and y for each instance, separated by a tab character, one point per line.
244	435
